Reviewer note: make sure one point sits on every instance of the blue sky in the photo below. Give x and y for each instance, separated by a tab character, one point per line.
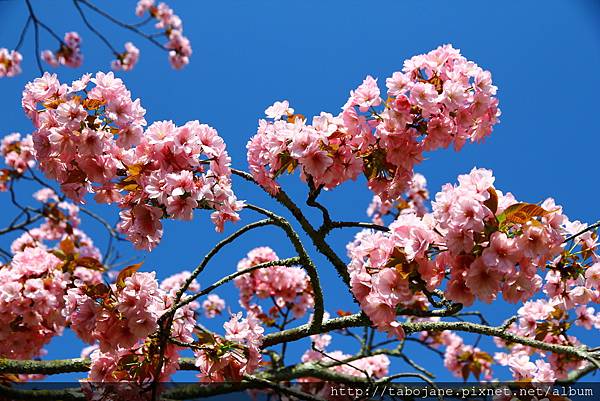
248	54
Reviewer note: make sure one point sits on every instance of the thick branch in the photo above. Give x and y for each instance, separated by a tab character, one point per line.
305	261
318	240
358	224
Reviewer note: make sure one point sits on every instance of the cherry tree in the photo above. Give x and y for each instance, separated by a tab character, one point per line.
417	268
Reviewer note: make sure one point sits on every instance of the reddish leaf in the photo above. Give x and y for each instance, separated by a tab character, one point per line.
67	246
90	263
521	213
465	372
127	272
292	118
93	104
97	291
492	202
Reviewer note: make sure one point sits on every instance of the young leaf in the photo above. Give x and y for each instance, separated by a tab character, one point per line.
90	263
521	213
67	246
127	272
492	202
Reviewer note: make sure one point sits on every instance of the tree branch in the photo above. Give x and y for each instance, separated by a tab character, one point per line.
318	240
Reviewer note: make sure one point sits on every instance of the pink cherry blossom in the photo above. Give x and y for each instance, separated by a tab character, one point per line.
170	24
127	60
213	306
93	141
278	110
286	286
235	354
69	54
18	152
431	105
10	62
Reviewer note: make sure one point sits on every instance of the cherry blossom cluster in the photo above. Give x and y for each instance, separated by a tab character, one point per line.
46	262
115	317
544	320
228	358
18	152
288	287
167	21
132	369
122	319
437	100
484	240
493	242
569	290
128	59
413	200
31	299
92	140
382	264
10	62
69	54
213	305
129	373
460	359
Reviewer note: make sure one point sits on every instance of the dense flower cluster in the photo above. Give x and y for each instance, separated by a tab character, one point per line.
115	317
10	62
120	319
179	46
288	287
382	263
32	289
128	59
486	241
33	284
569	289
438	99
413	200
18	152
494	243
228	358
92	140
69	54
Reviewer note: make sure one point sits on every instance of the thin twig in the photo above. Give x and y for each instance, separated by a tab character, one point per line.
589	228
22	35
94	30
132	28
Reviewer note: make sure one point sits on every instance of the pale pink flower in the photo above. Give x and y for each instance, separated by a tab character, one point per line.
278	110
10	62
213	306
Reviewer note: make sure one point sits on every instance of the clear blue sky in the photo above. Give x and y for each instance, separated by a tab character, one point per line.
544	58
